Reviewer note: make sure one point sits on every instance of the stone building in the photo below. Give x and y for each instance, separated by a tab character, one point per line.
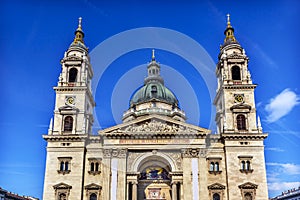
154	153
292	194
7	195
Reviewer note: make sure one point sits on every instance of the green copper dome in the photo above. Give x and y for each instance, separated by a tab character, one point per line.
153	90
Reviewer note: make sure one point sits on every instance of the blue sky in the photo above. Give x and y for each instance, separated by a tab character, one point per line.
35	34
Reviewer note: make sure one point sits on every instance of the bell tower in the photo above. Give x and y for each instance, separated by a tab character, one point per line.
69	132
238	124
74	103
235	105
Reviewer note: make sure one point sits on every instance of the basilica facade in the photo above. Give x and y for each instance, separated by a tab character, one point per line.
154	153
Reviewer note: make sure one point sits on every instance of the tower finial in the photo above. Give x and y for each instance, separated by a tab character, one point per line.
79	22
153	54
229	31
79	35
228	19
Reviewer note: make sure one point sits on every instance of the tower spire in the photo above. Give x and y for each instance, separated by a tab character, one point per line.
153	54
229	32
79	35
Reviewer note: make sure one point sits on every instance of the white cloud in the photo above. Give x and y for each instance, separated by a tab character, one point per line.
282	186
281	105
287	168
274	149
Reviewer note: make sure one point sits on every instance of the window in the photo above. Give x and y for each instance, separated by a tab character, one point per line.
62	196
93	191
241	122
153	90
248	196
216	196
93	196
62	191
248	165
64	165
235	73
68	123
94	166
214	165
245	163
248	191
216	191
73	75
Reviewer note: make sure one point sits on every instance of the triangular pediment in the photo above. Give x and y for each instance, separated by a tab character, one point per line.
154	124
72	58
248	185
241	106
68	109
62	186
216	186
92	186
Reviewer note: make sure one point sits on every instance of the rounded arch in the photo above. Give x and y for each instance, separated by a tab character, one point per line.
160	158
241	122
73	74
68	123
93	196
236	73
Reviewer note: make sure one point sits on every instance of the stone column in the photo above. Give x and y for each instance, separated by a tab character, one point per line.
187	155
203	191
121	192
134	190
127	191
181	191
106	174
174	191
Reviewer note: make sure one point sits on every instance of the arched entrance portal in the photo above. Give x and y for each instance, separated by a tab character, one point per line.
154	180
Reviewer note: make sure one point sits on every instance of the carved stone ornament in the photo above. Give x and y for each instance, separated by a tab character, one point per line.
119	153
190	153
131	157
178	159
157	127
106	153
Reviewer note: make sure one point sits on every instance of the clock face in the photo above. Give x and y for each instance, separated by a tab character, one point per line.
239	98
70	100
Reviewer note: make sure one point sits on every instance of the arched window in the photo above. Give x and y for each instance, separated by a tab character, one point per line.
243	165
248	165
211	167
248	196
92	167
235	73
66	166
62	164
62	196
216	196
68	123
216	166
97	167
93	196
73	75
241	122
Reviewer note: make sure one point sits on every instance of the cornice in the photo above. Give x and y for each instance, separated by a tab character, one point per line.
247	136
72	138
